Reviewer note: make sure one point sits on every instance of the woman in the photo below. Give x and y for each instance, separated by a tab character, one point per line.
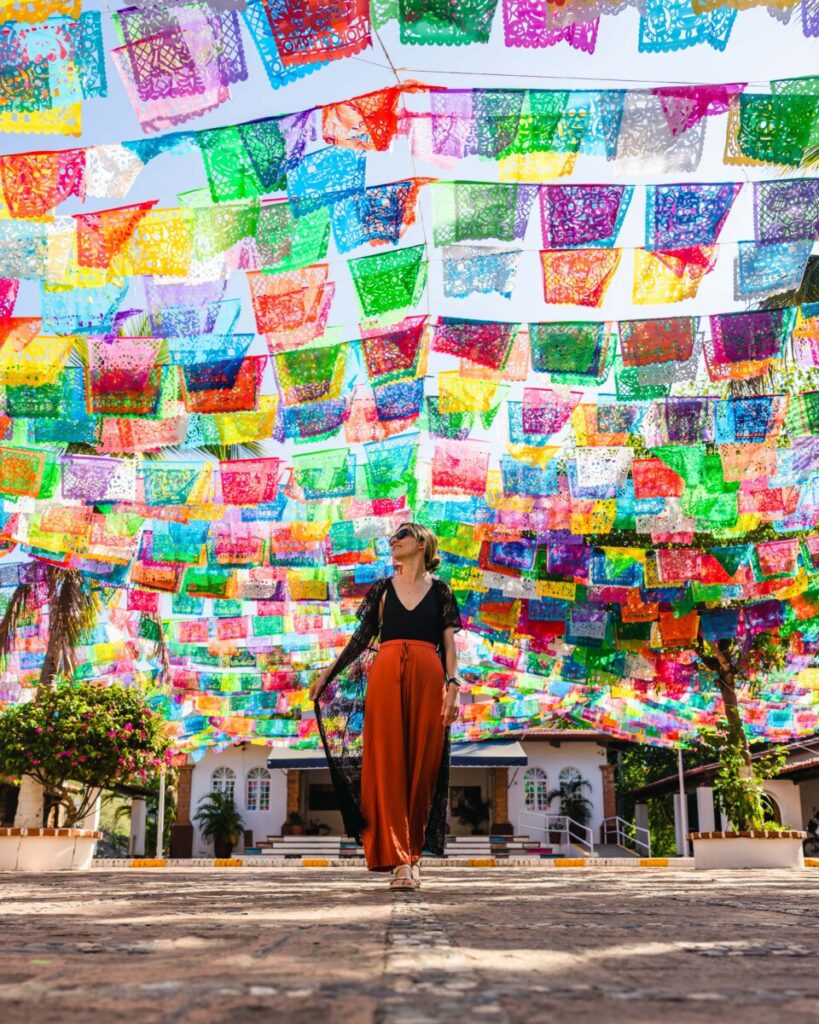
393	796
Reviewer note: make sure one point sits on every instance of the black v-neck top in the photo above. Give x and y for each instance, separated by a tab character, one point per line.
423	622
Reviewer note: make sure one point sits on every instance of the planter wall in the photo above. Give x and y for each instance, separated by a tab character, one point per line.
47	849
727	850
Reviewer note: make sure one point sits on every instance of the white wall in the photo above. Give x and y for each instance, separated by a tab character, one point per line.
809	793
585	757
241	760
787	796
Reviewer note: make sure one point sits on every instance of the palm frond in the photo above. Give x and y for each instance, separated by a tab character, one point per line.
136	326
173	451
808	290
79	352
15	610
228	452
161	652
810	157
73	610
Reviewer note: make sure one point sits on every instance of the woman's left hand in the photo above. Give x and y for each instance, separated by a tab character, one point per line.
450	709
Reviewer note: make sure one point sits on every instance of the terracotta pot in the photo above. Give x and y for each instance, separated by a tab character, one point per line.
289	829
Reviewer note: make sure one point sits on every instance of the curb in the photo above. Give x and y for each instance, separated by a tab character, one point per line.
546	864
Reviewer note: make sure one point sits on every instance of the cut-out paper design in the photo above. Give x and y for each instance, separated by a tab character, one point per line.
786	211
429	21
670	25
766	269
578	277
367	122
475	269
291	308
390	281
307	31
35	183
482	342
777	129
535	23
465	211
378	215
574	216
678	216
671	276
571	353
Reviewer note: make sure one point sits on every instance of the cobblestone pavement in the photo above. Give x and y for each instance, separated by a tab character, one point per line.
327	946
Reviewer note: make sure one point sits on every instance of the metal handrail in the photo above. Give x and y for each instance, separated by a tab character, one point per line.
627	834
571	831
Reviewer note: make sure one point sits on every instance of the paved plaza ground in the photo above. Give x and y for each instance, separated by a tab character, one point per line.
333	946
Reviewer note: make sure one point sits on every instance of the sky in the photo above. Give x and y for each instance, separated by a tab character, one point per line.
760	49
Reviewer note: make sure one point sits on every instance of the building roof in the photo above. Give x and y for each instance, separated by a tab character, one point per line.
490	753
574	736
805	767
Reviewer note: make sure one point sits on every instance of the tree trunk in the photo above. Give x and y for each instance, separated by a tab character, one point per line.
736	733
48	673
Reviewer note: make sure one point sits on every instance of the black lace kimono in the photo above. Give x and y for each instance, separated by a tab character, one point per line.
340	715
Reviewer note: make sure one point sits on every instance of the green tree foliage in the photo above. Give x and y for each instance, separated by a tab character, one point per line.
78	738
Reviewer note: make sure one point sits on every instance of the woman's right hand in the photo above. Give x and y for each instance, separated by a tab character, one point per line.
319	683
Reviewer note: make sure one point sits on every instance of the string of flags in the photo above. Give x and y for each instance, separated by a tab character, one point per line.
218	411
178	61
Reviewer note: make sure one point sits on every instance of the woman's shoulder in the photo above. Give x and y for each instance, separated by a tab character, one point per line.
441	585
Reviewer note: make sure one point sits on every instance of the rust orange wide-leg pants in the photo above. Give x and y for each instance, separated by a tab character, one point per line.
403	745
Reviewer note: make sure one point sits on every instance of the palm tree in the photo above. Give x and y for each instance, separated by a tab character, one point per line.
573	802
73	608
219	819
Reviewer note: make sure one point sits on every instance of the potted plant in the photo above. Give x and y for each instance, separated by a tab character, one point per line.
573	804
474	813
219	821
753	841
66	746
294	826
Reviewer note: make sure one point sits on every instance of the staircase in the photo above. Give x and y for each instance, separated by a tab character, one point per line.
612	850
330	847
623	839
460	847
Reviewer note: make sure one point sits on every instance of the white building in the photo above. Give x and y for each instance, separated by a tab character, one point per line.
512	777
793	795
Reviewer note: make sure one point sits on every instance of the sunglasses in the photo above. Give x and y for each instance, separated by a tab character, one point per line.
405	531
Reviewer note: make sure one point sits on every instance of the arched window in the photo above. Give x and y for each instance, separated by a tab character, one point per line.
535	788
223	780
258	789
570	778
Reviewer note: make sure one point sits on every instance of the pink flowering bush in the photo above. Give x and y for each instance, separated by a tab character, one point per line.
80	737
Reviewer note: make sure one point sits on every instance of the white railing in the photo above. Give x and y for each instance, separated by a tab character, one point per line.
569	831
626	834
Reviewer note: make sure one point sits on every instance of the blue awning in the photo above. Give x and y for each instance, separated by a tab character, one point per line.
490	754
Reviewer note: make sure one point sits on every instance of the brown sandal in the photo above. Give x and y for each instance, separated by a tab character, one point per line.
415	868
402	881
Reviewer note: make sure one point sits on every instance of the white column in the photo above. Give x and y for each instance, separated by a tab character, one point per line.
680	827
136	844
160	816
641	816
29	812
705	809
724	823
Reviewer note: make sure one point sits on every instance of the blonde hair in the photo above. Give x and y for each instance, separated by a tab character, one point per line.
431	557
